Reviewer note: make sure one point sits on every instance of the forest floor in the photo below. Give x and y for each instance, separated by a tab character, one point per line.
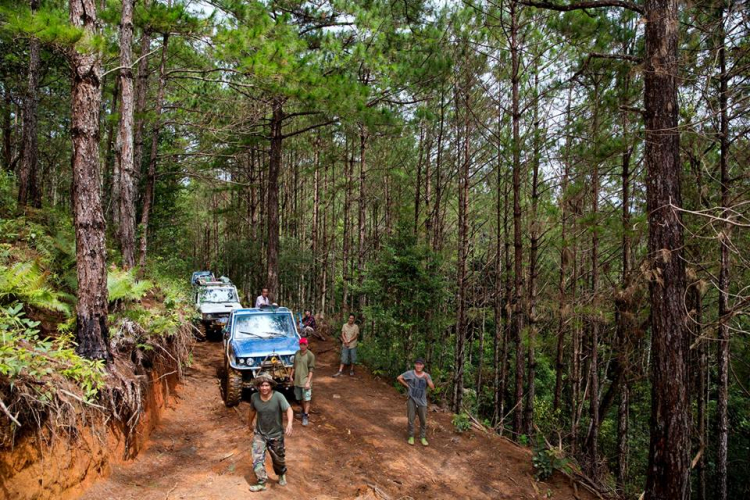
354	447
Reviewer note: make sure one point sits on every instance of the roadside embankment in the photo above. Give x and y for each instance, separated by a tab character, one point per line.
63	439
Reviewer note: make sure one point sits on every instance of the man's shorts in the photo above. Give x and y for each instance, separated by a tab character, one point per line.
348	356
302	394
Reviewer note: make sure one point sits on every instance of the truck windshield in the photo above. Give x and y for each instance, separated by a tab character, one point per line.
264	326
219	295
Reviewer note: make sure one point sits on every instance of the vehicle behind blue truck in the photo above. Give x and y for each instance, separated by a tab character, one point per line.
214	301
258	341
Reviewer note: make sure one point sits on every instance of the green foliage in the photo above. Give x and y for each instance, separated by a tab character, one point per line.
123	285
26	357
546	461
7	199
28	283
461	422
403	287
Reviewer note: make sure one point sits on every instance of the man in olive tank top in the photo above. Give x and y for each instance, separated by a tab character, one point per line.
267	407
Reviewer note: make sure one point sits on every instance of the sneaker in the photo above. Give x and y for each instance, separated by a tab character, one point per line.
337	374
282	480
351	373
258	487
410	441
305	421
424	442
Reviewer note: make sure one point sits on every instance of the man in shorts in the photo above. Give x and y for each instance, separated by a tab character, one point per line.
417	381
302	374
268	432
349	335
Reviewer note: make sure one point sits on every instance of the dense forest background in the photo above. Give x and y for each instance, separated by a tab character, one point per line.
547	200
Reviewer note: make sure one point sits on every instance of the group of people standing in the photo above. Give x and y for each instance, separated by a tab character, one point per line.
269	407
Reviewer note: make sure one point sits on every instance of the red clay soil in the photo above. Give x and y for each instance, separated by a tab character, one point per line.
355	447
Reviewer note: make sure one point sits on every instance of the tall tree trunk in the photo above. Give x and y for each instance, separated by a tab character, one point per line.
575	355
88	217
324	239
7	131
141	92
623	310
463	247
151	176
593	436
361	220
428	191
111	170
500	345
126	210
28	191
480	362
518	319
316	202
274	169
564	307
507	295
418	183
349	171
528	417
436	221
669	448
702	386
722	398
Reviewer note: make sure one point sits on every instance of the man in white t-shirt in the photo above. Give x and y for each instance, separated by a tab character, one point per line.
262	300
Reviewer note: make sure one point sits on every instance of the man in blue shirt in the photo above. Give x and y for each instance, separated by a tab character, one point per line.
417	381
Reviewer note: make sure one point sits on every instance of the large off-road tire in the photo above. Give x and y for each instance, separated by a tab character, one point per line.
232	387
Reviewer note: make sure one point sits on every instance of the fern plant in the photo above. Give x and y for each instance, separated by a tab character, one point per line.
27	282
123	285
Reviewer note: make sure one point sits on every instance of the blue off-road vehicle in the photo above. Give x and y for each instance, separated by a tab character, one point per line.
257	341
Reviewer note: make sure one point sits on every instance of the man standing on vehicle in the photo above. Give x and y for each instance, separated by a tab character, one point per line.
269	406
302	374
349	335
262	300
417	381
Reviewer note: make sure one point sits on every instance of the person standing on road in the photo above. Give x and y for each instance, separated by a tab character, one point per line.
349	335
417	381
269	406
262	300
302	374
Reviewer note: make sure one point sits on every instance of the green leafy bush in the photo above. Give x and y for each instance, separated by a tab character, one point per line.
124	286
25	357
546	461
27	282
461	422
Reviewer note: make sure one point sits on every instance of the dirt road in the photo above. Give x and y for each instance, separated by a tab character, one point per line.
355	447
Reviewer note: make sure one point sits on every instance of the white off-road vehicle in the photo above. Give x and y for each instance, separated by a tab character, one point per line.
215	302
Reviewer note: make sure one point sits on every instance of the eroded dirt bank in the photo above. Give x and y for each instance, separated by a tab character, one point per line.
354	448
60	469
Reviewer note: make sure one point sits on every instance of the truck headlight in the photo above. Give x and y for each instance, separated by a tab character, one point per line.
240	361
250	361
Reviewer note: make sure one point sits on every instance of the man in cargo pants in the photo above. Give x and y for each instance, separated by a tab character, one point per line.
269	406
417	381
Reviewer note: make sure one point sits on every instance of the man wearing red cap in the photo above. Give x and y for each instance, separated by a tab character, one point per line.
302	374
